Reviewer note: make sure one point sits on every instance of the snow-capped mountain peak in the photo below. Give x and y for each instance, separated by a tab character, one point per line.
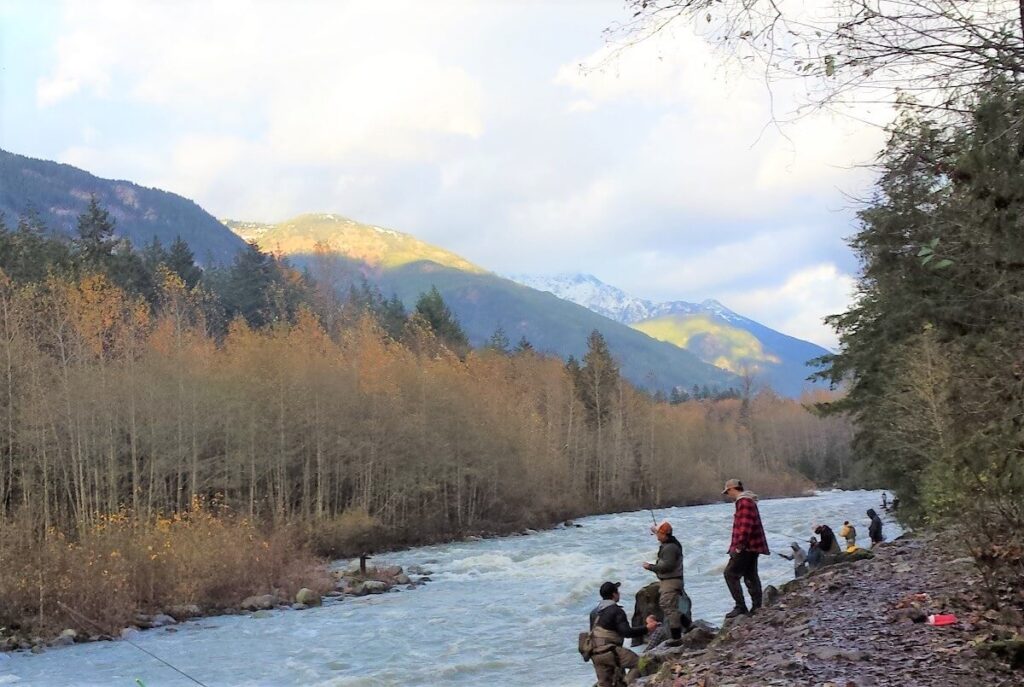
593	294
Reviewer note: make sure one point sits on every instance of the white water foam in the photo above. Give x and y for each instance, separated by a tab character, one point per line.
499	612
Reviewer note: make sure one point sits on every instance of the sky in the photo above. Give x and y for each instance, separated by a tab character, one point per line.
506	131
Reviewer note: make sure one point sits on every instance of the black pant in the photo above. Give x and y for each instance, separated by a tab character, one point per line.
743	565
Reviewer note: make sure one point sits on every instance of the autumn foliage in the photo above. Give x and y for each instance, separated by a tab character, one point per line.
149	456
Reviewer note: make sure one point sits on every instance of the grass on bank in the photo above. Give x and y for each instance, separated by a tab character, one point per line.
119	567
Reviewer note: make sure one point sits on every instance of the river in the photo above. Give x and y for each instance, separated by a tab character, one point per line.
499	612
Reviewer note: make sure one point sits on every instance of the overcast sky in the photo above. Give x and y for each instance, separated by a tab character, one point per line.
470	125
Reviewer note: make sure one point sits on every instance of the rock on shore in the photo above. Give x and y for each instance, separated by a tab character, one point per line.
860	624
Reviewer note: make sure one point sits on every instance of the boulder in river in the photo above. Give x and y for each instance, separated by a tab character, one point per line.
65	638
402	579
162	620
182	612
260	602
307	597
390	571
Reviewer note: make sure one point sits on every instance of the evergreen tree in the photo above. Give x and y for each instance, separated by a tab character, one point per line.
499	342
599	378
180	260
393	316
678	396
247	290
432	308
930	352
524	346
95	241
154	254
27	254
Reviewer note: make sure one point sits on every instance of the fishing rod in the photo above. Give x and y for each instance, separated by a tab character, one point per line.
149	653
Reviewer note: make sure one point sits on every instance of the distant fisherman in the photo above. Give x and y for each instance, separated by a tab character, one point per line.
748	542
609	628
669	569
814	555
799	559
849	533
875	528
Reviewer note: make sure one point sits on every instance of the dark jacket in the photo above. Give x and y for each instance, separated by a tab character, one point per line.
670	560
875	528
610	616
827	539
814	556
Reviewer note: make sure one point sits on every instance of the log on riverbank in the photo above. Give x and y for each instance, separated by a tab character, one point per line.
863	624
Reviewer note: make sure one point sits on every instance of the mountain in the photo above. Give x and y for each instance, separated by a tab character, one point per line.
339	251
714	333
58	193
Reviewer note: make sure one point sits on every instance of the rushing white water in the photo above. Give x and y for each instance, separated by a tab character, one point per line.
498	612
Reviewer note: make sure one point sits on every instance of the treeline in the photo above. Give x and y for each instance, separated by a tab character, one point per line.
136	381
932	351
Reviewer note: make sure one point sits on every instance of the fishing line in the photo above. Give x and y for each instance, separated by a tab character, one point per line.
148	653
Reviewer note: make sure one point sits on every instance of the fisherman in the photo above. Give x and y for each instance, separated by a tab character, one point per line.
656	633
669	569
814	554
828	543
799	558
885	501
748	542
875	528
849	533
609	628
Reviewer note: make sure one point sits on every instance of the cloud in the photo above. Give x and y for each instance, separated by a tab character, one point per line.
798	305
325	80
470	125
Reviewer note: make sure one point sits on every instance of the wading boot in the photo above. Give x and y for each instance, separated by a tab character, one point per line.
736	612
677	633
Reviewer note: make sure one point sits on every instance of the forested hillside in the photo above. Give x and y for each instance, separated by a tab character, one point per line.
342	252
55	194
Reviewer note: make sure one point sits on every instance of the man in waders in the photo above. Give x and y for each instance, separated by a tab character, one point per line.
669	569
609	628
748	542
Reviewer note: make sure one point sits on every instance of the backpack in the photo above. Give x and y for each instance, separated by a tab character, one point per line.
586	645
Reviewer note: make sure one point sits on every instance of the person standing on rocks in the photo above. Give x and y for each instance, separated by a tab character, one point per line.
609	629
875	528
669	569
748	542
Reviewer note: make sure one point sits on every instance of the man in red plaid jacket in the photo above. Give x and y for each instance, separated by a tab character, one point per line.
748	542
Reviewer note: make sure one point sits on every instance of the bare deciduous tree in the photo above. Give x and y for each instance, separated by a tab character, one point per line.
928	53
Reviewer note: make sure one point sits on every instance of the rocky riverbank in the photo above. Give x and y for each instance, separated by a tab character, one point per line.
344	582
864	623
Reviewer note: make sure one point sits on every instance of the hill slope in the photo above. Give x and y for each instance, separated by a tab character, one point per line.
58	193
338	250
710	330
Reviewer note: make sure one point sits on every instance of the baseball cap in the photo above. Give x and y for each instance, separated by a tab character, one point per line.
732	484
608	589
